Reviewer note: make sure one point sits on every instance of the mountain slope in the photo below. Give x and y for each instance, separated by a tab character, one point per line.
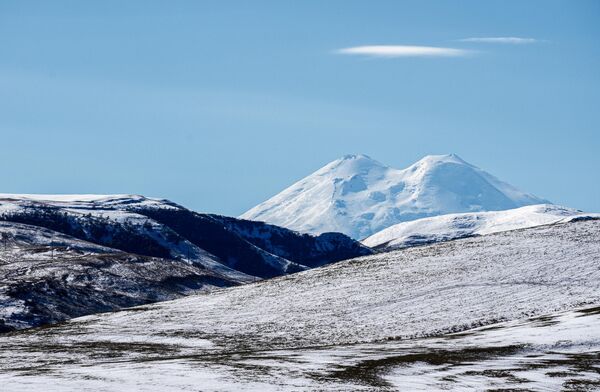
65	256
359	312
47	277
312	251
359	196
160	228
453	226
107	221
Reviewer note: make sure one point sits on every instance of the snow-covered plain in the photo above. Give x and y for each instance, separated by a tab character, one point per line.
453	226
359	196
558	351
374	323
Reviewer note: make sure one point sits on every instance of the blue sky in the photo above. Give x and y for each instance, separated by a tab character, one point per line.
218	105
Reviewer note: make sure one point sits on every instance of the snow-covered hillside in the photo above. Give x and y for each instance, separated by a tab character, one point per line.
453	226
63	256
47	277
359	196
161	228
110	221
358	324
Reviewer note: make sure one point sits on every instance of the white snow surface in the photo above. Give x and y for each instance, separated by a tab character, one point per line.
69	198
452	226
297	332
87	201
539	353
359	196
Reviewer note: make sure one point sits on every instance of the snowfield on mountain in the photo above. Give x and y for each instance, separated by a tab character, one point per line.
453	226
359	196
361	323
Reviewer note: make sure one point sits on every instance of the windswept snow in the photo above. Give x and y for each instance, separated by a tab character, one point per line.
358	324
359	196
453	226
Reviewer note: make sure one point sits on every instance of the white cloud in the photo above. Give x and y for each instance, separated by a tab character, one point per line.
402	51
501	40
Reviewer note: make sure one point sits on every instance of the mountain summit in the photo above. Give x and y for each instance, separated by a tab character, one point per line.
358	196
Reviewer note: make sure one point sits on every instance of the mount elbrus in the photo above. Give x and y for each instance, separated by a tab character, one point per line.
359	196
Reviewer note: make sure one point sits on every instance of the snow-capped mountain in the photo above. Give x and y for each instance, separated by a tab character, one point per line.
359	196
453	226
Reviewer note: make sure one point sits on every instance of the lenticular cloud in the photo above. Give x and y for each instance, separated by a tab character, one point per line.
402	51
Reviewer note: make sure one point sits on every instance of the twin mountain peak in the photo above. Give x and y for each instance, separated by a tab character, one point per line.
359	196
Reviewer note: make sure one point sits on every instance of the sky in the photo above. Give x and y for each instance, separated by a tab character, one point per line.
218	105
